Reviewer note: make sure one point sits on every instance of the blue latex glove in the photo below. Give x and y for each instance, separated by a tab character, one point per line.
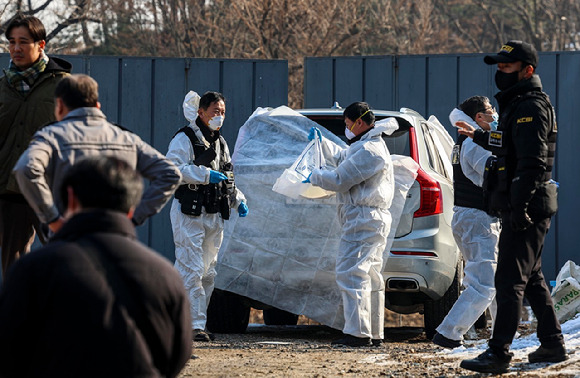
307	179
243	209
315	132
215	177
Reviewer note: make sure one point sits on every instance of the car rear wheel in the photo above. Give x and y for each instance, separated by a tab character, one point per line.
274	316
227	313
435	311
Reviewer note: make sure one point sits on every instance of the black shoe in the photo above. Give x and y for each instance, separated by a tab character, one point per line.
377	342
487	362
200	335
210	335
444	342
352	341
557	354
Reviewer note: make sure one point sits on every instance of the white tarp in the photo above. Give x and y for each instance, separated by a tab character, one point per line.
283	253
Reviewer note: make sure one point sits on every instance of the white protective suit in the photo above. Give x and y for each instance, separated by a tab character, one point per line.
364	182
197	238
476	234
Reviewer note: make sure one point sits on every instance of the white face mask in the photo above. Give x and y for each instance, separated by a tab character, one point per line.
216	122
348	134
493	124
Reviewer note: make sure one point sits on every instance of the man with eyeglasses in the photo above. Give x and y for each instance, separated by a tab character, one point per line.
26	104
526	197
475	231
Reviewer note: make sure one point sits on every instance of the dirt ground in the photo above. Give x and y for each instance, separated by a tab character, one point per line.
304	351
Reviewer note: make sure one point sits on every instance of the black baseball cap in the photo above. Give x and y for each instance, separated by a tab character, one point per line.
513	51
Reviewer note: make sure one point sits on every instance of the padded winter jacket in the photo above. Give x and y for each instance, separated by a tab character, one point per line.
94	302
22	115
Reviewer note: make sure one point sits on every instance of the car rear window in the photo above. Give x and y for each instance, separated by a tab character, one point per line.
435	160
398	142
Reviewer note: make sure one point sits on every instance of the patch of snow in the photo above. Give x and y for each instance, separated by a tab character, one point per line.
274	343
379	359
522	346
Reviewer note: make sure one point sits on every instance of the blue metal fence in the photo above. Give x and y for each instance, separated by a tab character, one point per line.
435	84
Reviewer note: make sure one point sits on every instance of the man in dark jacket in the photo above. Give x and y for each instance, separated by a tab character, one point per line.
523	192
26	104
95	302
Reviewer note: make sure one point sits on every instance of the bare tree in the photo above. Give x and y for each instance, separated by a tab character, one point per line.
485	24
55	15
295	29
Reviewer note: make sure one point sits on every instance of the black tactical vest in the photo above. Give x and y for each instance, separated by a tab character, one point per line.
466	193
213	197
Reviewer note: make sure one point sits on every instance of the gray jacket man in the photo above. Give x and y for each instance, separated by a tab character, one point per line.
82	130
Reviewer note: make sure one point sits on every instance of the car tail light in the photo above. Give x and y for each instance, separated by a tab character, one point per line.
431	200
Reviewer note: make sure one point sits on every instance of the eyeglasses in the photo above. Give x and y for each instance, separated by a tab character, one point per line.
487	110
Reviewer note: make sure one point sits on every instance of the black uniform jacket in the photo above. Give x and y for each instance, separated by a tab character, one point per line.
526	138
59	316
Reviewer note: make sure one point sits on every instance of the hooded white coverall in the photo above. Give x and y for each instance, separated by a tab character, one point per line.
364	182
197	238
476	234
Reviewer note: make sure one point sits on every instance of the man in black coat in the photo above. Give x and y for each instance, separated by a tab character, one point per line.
523	193
26	104
95	302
